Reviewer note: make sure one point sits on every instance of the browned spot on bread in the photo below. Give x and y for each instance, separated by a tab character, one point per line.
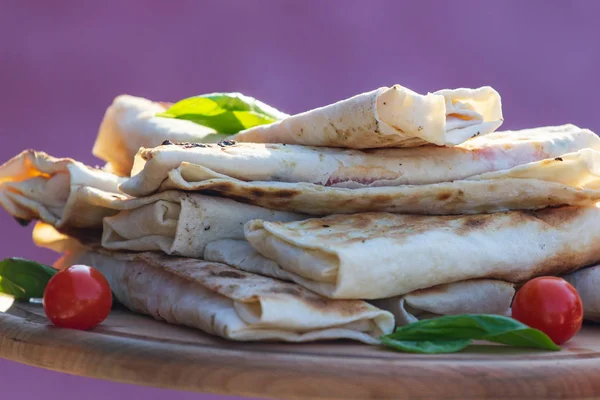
269	197
444	196
146	155
379	202
355	222
228	274
287	193
474	222
559	216
581	196
256	192
317	302
568	260
452	197
223	186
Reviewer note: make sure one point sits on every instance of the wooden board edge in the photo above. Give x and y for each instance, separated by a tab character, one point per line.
284	375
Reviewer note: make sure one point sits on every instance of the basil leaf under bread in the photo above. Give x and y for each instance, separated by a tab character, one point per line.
226	113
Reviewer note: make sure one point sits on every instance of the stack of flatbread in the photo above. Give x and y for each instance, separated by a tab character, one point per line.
339	222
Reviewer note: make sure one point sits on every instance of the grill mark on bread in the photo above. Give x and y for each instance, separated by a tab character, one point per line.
228	274
558	216
474	223
316	302
255	192
224	279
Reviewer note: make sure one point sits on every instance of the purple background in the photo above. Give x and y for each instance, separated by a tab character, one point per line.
62	63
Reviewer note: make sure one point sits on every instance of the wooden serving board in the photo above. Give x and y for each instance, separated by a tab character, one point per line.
136	349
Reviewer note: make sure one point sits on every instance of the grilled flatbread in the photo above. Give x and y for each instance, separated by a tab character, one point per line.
476	296
233	304
180	223
571	179
376	255
587	283
389	117
355	169
36	186
71	196
484	296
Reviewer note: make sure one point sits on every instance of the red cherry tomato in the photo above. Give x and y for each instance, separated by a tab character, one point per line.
78	297
551	305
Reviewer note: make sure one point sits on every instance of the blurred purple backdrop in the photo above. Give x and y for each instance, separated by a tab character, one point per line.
62	62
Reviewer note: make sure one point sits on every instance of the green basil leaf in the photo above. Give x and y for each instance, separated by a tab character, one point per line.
24	279
527	337
466	327
226	113
8	287
426	346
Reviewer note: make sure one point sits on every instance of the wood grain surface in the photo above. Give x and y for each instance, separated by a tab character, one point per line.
136	349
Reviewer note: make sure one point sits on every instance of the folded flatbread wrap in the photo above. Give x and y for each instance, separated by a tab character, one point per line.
180	223
587	283
233	304
484	296
550	182
131	122
69	195
389	117
376	255
476	296
34	185
354	168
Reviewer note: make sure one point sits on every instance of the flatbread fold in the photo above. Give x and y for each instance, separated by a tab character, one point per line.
587	283
476	296
71	196
375	255
36	186
484	296
342	168
180	223
233	304
540	184
389	117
